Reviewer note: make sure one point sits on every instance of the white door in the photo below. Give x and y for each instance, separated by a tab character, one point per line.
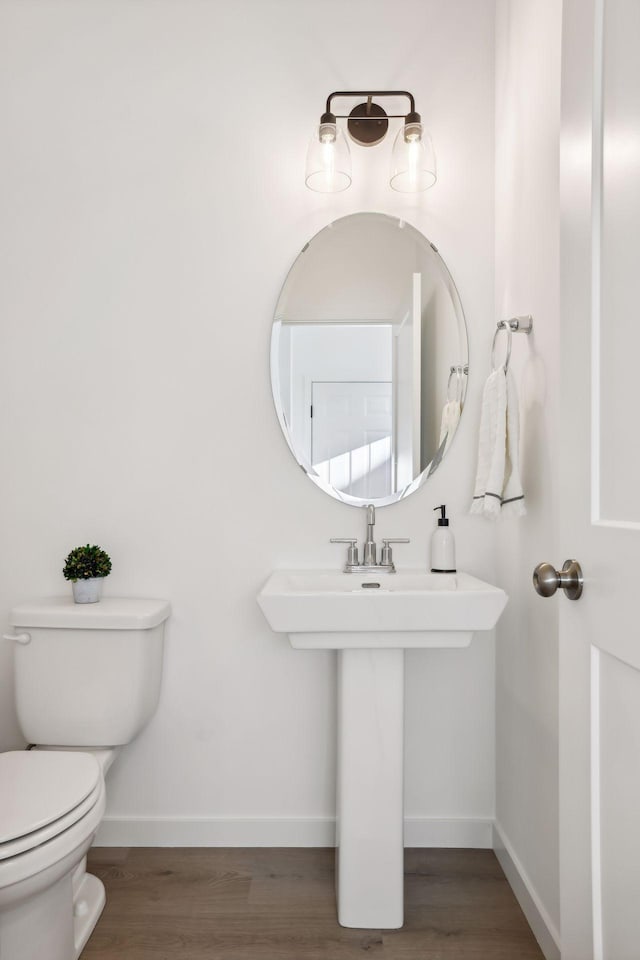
600	481
351	428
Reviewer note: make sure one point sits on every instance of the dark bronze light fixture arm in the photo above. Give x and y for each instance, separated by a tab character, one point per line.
372	93
368	122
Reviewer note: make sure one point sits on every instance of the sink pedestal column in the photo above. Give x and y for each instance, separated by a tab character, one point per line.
370	845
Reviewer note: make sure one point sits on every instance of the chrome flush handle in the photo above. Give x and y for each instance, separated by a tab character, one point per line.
17	637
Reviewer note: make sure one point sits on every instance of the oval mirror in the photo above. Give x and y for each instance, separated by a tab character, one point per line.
369	359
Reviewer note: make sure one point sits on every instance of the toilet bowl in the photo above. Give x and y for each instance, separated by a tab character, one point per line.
86	683
50	808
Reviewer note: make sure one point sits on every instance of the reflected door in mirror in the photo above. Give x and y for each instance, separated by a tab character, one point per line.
351	431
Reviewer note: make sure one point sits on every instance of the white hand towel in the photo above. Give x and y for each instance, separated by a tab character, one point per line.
449	423
498	474
512	493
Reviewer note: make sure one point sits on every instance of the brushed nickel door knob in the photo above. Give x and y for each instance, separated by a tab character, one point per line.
546	579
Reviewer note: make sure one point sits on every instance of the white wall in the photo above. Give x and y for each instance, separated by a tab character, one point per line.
528	34
153	201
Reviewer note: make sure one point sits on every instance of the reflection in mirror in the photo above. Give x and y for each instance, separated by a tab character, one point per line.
369	359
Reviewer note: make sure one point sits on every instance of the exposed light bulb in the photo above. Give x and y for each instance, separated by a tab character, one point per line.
413	162
327	132
412	132
328	158
329	164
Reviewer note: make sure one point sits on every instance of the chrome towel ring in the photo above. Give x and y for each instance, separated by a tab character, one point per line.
514	325
459	371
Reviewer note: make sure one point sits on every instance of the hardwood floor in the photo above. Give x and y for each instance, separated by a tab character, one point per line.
279	904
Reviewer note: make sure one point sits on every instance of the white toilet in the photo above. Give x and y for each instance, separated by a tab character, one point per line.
87	680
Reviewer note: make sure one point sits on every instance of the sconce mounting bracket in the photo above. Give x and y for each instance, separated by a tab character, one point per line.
368	124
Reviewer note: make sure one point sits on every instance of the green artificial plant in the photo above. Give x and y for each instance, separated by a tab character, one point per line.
83	563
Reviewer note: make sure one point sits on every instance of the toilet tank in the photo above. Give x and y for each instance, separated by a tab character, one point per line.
87	675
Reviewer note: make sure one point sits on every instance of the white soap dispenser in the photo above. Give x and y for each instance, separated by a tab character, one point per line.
443	547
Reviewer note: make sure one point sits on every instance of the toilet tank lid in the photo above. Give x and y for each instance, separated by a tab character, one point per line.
110	613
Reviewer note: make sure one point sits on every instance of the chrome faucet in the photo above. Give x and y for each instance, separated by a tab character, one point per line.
369	559
369	564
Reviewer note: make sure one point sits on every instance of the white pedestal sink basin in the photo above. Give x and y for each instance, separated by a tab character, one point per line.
371	619
335	611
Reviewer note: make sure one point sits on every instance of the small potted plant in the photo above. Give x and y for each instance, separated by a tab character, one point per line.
87	567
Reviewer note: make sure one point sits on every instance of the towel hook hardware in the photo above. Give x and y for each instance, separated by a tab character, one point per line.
460	370
514	325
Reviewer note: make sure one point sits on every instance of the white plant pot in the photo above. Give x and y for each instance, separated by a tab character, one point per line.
87	591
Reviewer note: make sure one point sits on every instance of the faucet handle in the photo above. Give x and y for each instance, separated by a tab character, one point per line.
352	552
387	554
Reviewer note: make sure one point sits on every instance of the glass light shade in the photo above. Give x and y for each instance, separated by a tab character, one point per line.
328	160
413	161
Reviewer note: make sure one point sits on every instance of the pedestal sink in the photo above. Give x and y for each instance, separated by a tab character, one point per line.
371	619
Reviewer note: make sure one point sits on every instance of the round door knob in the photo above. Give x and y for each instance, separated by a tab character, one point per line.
546	579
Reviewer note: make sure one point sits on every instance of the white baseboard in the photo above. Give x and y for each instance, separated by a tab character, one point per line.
544	930
277	832
215	832
440	832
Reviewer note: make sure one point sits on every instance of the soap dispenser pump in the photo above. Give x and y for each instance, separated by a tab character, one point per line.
443	548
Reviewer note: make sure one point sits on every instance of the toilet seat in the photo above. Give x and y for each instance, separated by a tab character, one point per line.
44	794
38	867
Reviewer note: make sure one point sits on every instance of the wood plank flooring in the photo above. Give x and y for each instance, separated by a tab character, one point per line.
279	904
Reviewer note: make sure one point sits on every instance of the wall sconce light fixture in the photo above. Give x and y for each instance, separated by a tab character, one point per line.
413	161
